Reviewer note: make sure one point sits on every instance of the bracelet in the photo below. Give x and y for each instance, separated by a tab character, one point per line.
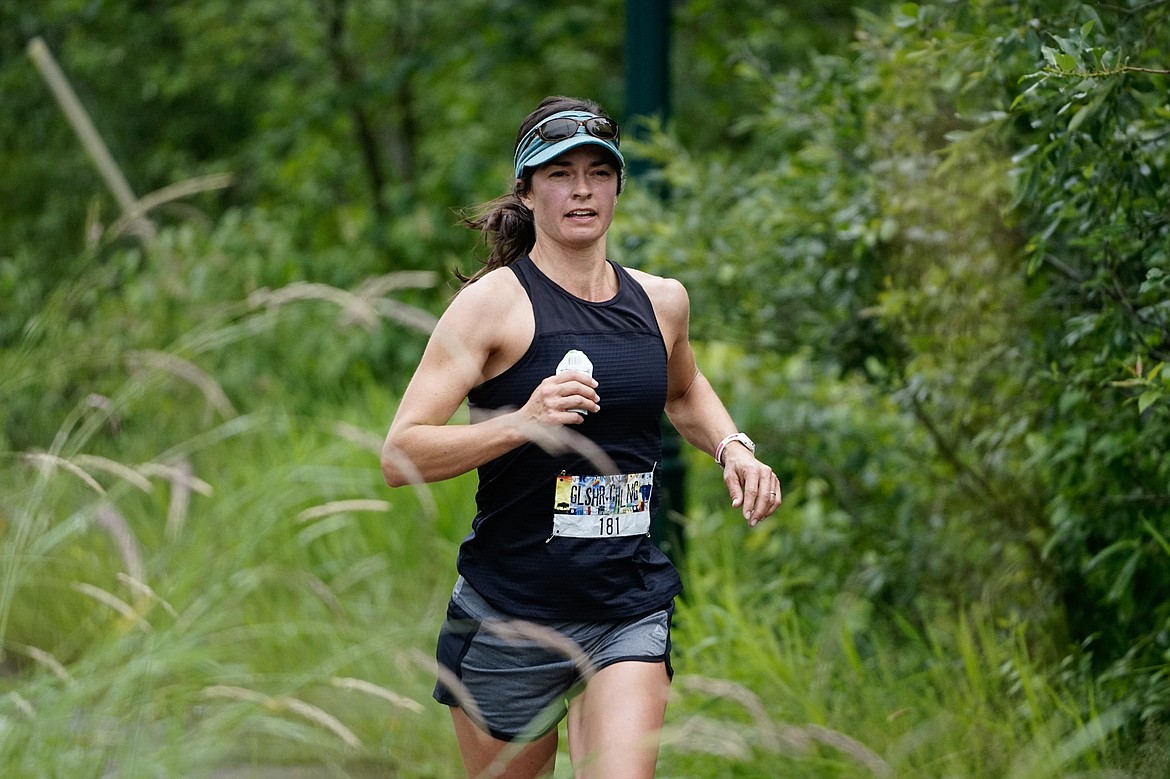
734	437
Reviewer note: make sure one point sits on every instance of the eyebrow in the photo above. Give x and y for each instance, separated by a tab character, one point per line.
561	162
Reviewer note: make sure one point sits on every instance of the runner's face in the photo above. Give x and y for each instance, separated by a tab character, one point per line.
572	198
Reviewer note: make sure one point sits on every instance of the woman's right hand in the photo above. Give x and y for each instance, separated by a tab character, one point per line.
559	399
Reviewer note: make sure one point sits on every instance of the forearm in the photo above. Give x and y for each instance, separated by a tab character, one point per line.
702	419
700	416
416	453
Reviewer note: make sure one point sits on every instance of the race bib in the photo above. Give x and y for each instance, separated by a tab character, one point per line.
602	506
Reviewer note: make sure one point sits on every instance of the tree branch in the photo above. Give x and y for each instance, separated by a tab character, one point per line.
1118	71
1008	510
348	78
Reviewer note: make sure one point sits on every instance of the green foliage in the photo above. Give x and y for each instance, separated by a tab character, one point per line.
239	600
340	118
929	267
851	692
1101	245
278	613
984	244
167	309
194	571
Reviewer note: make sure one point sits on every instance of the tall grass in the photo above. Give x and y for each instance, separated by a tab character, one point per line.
282	621
185	586
209	584
862	693
292	618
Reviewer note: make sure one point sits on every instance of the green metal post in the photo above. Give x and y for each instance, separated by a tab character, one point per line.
647	66
648	97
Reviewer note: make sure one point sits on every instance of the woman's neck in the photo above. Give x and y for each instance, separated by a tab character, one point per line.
584	274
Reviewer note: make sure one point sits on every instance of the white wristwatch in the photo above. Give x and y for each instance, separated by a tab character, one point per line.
741	438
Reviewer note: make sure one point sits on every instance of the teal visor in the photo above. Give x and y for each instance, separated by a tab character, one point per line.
558	133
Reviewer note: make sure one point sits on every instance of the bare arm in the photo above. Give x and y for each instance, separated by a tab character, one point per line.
481	333
697	412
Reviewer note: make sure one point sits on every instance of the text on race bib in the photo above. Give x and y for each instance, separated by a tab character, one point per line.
602	506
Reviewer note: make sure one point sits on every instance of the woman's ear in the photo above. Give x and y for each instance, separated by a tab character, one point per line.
523	191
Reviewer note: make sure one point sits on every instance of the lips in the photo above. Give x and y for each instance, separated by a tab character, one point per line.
581	213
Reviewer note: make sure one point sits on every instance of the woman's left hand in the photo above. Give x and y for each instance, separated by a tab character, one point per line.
751	484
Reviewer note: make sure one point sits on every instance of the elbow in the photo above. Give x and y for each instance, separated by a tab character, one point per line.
391	460
398	470
392	475
676	410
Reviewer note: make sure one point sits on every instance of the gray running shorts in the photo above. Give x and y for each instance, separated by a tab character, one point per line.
520	674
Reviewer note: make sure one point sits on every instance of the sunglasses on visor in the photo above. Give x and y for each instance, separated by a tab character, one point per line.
563	127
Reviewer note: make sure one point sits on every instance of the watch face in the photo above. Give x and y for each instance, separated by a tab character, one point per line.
743	439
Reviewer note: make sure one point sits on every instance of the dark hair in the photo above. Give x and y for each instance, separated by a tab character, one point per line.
506	223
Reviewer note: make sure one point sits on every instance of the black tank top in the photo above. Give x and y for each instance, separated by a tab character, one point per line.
518	555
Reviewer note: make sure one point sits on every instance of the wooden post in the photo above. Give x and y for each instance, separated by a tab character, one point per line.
90	139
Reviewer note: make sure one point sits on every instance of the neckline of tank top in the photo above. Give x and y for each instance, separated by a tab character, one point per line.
607	302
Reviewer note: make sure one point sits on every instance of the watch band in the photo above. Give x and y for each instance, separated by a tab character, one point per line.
741	438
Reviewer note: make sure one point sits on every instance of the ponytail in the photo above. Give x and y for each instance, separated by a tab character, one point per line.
508	231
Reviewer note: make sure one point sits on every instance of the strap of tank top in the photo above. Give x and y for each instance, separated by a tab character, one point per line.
523	270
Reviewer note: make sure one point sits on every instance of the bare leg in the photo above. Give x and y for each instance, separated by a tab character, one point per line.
615	724
486	757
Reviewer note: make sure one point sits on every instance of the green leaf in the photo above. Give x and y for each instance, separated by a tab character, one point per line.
1068	47
1161	539
907	16
1148	398
1088	111
1126	545
1124	578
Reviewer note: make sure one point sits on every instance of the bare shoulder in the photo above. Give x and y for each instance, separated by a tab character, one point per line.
492	318
497	290
493	298
669	297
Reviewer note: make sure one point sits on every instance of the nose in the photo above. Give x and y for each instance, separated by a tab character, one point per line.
582	187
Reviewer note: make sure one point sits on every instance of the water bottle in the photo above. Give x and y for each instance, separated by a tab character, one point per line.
575	360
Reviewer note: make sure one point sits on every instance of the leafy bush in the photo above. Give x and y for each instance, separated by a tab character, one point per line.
952	237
